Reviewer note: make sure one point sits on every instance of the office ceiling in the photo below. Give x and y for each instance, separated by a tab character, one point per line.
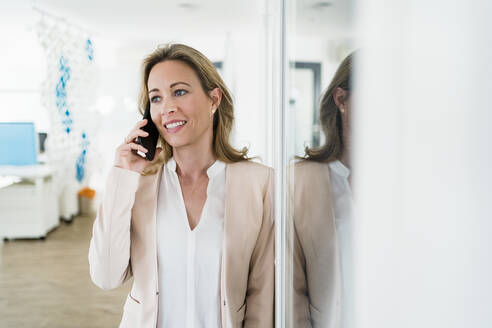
150	19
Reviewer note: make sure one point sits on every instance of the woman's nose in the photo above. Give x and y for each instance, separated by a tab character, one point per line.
168	108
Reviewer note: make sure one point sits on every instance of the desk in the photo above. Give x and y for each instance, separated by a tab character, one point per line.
28	206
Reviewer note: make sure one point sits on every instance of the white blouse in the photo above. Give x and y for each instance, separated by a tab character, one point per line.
189	260
343	210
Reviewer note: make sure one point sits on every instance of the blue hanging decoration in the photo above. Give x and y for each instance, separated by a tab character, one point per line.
89	49
80	163
61	94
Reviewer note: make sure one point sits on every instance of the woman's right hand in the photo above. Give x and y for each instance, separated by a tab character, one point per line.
126	154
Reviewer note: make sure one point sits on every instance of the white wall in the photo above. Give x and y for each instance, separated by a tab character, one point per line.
423	165
22	67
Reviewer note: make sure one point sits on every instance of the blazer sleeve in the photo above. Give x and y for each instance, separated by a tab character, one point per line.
297	303
260	299
300	311
109	250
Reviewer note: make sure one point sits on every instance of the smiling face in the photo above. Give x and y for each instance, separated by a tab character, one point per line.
179	107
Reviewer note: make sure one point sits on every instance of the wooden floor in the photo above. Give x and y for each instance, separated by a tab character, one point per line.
46	283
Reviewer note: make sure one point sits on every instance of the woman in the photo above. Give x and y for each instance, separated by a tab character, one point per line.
194	227
322	217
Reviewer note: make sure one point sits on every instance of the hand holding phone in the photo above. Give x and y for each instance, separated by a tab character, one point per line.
149	141
126	154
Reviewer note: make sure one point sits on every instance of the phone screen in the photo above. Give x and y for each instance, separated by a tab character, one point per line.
149	142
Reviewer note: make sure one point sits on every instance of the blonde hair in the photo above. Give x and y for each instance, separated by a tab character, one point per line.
209	80
331	118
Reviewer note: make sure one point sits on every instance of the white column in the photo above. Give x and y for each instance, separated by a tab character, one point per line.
423	168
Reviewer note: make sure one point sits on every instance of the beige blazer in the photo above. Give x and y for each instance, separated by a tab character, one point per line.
313	249
123	245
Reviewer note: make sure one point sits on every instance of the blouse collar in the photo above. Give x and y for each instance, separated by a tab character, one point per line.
212	171
340	169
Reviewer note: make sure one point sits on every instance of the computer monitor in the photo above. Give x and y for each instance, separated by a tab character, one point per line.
18	144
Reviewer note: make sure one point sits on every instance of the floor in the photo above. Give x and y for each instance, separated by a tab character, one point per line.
46	283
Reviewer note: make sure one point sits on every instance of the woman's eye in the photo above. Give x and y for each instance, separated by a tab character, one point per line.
155	99
180	92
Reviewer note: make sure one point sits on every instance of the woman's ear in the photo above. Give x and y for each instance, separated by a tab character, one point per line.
216	96
340	96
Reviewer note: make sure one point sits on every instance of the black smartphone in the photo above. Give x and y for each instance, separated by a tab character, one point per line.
149	142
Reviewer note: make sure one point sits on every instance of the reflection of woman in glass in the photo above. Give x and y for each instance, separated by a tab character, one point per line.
322	214
194	228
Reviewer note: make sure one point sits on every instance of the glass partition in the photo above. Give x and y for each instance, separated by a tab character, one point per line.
318	221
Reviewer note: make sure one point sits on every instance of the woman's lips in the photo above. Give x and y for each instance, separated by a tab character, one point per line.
174	126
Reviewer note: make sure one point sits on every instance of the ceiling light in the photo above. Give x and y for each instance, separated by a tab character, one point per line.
187	5
322	4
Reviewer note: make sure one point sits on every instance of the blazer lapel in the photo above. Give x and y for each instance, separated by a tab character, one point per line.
144	226
242	217
153	238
